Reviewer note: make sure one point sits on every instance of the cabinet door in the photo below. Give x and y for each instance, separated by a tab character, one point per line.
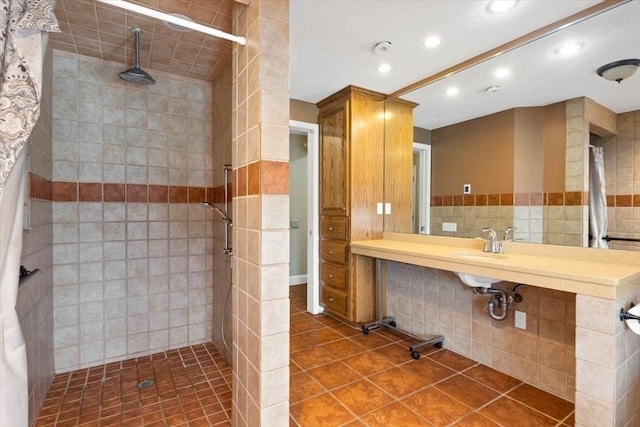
334	162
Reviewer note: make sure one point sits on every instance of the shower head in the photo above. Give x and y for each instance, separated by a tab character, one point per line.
137	74
223	215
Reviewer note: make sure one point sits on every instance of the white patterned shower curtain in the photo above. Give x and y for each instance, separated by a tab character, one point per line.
23	26
597	199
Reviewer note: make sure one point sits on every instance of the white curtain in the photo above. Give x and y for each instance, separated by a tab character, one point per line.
597	199
22	45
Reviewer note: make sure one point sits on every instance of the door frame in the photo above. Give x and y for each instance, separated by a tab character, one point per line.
312	131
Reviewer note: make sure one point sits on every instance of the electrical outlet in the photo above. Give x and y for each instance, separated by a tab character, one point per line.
521	319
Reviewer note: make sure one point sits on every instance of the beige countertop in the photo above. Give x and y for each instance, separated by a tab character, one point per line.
602	273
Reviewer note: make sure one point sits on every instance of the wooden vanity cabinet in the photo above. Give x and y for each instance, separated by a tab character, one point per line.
351	184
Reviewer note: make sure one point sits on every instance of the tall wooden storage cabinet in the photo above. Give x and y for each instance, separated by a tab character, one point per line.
351	184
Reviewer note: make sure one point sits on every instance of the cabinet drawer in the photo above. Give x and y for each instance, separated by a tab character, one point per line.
335	301
333	251
333	275
333	228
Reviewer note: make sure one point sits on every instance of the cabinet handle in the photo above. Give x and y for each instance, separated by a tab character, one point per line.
330	228
331	276
330	252
330	299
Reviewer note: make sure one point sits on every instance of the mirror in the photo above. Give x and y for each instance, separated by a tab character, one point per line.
515	151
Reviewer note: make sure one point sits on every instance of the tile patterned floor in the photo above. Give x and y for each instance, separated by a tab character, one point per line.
340	377
192	388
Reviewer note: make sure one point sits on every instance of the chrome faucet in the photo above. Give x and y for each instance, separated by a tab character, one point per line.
493	244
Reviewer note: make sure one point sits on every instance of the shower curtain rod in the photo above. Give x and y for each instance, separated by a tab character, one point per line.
122	4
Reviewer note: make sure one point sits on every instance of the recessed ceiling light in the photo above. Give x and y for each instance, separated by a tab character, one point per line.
499	6
569	48
432	41
384	68
453	91
501	73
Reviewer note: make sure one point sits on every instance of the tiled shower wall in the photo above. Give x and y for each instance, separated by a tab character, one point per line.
622	179
132	246
427	301
35	294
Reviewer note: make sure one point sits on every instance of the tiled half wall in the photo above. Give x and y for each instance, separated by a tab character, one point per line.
427	301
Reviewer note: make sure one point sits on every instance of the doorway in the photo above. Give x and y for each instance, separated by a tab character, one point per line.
421	189
301	200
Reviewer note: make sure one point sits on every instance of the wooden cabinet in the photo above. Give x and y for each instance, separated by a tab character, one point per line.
351	185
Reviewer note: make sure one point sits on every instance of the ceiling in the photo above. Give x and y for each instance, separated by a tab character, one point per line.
101	31
332	45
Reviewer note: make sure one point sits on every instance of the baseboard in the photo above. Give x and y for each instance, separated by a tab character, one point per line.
297	280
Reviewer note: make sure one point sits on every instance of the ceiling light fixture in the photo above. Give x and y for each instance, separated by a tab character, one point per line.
122	4
619	70
453	91
502	73
569	48
499	6
432	41
384	68
178	27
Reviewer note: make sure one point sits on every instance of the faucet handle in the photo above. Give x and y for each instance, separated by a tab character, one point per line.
508	233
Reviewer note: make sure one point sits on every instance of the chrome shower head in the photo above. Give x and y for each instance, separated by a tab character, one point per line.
137	74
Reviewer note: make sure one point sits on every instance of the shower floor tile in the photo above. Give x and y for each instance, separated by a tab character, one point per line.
190	386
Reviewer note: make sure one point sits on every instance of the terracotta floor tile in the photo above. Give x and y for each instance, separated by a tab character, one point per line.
396	353
362	397
334	375
326	320
505	411
323	336
542	401
299	342
346	330
312	357
437	407
323	410
305	325
302	386
397	382
368	363
395	414
371	341
467	391
474	419
430	371
452	360
492	378
343	348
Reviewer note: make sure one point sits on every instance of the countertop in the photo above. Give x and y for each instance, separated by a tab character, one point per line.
604	273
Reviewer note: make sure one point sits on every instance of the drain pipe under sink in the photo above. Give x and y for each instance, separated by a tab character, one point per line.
500	300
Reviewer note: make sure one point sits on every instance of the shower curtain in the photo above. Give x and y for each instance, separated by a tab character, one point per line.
597	199
22	45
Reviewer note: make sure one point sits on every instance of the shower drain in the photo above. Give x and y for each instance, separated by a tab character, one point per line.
146	384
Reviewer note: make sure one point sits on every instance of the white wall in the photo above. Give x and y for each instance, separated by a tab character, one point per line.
298	173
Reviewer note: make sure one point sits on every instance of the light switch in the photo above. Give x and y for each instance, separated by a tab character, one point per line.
387	208
449	226
295	223
379	208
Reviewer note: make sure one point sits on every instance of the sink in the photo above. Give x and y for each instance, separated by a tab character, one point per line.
480	255
475	281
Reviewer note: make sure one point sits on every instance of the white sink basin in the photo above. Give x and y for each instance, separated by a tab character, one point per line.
475	281
484	256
